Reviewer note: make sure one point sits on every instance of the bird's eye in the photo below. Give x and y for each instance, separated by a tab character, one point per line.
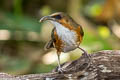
58	17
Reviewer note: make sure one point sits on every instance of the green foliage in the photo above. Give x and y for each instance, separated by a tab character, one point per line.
21	23
95	42
42	68
17	7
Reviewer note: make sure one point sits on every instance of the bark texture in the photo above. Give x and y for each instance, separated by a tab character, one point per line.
104	65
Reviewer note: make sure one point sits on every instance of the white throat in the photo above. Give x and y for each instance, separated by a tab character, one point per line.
59	27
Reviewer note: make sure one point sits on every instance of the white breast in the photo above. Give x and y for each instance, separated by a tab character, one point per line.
66	35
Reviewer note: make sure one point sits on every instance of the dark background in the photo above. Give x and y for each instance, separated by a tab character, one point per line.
22	37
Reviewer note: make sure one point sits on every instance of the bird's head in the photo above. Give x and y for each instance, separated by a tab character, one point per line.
59	17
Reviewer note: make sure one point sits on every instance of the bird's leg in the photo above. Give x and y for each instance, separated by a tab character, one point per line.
85	53
59	66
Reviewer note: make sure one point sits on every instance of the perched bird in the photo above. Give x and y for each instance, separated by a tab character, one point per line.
66	34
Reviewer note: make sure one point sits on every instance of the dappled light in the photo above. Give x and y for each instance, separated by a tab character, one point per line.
4	35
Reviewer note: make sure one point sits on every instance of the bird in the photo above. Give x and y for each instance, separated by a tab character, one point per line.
66	35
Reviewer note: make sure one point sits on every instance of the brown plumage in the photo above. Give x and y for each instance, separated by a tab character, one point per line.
66	34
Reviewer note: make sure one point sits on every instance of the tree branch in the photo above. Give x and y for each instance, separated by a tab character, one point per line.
105	65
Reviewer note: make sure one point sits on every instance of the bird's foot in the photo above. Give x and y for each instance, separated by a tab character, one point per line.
87	55
60	70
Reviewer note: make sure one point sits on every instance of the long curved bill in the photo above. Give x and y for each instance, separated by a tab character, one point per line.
46	18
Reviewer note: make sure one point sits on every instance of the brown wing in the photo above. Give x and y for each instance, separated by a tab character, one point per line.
50	44
80	33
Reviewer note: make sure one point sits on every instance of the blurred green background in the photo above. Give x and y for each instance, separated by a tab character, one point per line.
22	37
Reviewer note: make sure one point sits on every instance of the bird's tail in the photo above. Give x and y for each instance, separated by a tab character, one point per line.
49	45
